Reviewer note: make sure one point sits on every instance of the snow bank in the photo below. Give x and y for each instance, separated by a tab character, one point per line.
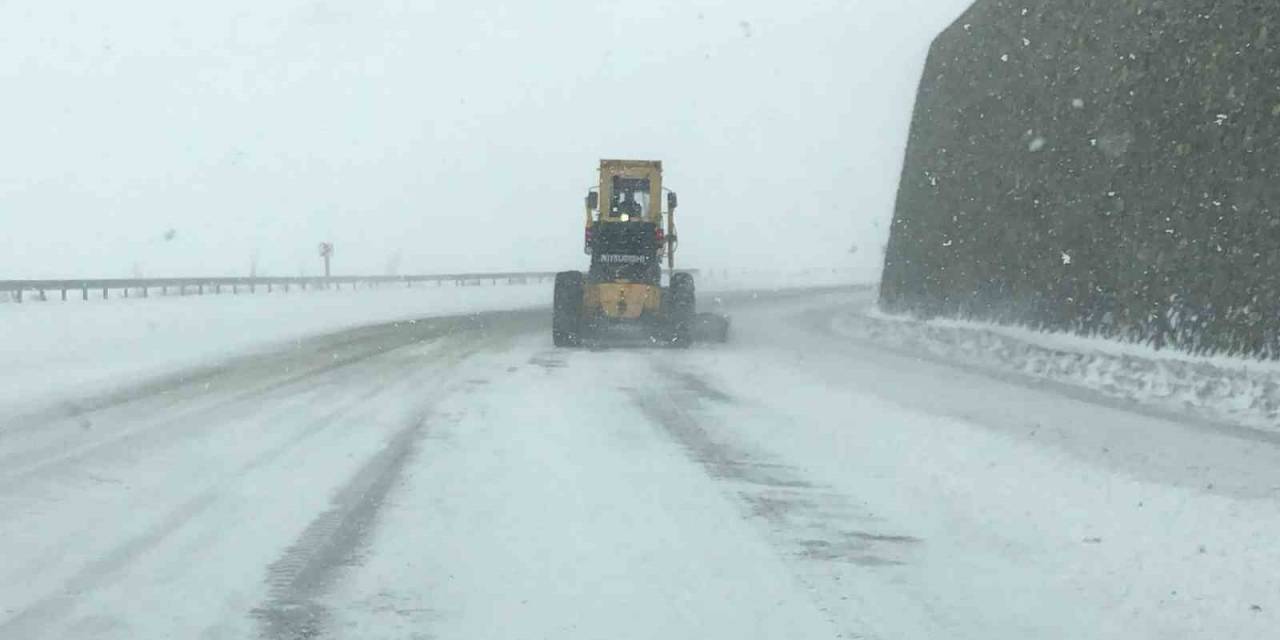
54	349
1216	388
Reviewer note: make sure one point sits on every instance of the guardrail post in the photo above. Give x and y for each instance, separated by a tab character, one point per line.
42	296
64	294
17	296
200	289
126	292
104	293
144	291
84	293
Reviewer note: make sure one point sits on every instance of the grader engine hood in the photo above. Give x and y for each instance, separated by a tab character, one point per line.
625	251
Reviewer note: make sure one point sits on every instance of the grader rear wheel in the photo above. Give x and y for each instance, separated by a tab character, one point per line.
680	316
566	309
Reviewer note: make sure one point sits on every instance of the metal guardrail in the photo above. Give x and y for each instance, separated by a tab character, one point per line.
143	287
17	290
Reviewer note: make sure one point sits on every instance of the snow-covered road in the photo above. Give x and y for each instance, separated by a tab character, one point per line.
459	478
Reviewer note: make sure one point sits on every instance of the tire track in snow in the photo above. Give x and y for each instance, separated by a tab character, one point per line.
32	621
107	568
816	522
330	542
389	372
811	524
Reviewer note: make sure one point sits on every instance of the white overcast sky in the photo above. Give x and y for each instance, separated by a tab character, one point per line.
444	136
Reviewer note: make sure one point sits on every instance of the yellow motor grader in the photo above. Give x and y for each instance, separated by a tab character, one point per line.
622	294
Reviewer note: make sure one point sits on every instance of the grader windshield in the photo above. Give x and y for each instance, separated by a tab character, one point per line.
629	191
630	199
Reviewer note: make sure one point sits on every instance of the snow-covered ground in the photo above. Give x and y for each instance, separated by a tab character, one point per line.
460	478
1215	388
55	347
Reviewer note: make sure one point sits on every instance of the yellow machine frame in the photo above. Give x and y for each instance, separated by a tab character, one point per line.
624	294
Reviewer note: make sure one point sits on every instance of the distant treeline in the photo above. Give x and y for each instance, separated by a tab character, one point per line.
1099	166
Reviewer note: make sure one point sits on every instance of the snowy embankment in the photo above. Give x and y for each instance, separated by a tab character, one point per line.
1239	391
54	349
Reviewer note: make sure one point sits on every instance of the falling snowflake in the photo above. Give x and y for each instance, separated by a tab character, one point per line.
1221	119
1077	103
1037	144
1004	58
1066	258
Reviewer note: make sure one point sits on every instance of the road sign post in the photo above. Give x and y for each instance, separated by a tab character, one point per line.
326	251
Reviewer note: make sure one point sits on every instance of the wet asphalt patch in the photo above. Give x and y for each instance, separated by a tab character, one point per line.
549	360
